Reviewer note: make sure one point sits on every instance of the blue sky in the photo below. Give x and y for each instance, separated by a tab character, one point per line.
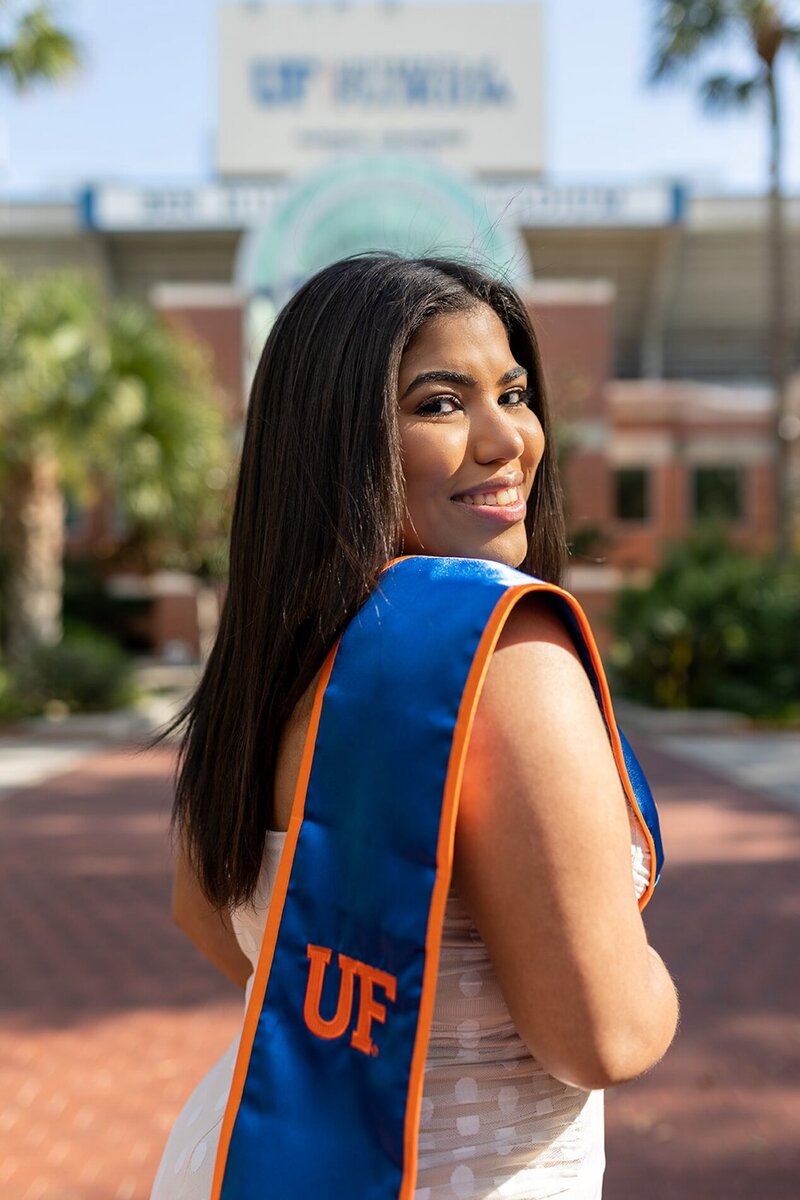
142	110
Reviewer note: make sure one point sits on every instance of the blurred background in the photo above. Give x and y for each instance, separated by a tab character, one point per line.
169	174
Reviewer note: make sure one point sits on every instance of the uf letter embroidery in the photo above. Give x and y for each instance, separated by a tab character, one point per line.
369	1009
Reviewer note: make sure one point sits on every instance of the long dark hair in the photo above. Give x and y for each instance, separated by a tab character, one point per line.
319	510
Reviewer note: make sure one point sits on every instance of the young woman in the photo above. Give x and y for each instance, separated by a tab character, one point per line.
399	409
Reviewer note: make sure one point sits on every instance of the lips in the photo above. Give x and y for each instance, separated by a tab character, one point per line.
501	498
504	506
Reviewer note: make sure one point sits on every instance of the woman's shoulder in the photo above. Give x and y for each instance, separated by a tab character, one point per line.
538	619
535	673
538	607
543	852
538	730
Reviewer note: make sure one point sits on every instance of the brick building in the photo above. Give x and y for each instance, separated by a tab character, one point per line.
653	334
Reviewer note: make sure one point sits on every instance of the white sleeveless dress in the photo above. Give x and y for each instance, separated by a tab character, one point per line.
494	1125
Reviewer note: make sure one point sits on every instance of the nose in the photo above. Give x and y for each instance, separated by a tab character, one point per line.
495	435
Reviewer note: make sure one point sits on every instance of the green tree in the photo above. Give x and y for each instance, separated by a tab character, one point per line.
715	628
32	47
683	32
102	402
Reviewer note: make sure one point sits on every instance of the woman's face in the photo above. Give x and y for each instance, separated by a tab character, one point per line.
470	444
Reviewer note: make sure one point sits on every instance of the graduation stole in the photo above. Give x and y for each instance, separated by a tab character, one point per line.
327	1088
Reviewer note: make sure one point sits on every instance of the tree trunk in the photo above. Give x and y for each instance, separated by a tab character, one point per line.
33	541
779	333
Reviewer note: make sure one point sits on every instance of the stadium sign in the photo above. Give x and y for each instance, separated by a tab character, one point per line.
462	82
524	204
393	83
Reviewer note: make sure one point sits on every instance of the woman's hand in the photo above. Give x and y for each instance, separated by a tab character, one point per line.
543	863
209	929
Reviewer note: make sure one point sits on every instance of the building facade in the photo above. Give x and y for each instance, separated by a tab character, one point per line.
418	128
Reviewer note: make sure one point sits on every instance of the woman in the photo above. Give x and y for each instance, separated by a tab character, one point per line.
399	409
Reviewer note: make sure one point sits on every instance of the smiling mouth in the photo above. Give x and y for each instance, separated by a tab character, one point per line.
503	498
505	507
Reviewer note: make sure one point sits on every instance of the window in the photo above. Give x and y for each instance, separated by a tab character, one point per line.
75	514
718	493
632	494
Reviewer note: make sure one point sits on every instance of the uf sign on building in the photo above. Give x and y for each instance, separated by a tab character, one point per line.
460	81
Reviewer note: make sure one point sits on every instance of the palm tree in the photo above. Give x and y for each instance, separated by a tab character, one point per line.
32	47
683	31
171	483
99	401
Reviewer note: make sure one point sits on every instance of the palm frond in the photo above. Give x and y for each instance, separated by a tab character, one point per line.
121	398
37	49
722	93
791	36
685	29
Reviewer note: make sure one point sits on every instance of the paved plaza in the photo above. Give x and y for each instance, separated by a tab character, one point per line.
108	1016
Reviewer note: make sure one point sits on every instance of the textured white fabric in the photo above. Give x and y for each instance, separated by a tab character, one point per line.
494	1125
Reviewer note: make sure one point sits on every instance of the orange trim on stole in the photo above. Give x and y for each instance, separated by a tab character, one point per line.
274	914
616	744
444	851
444	866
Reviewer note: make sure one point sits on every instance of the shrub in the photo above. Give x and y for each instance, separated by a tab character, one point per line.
716	628
13	706
88	602
85	671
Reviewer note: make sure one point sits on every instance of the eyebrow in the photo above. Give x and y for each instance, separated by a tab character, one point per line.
443	376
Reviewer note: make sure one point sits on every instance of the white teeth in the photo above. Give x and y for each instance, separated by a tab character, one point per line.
493	499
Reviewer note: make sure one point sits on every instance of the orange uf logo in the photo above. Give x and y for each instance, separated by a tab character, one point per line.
369	1009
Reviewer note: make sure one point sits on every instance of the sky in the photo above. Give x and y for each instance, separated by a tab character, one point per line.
142	109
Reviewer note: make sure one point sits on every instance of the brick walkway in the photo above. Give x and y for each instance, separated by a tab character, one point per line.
108	1016
718	1119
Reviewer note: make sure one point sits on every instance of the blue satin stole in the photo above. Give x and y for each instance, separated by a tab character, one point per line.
326	1094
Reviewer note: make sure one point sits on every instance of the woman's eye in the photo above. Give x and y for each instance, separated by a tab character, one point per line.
443	406
519	397
433	406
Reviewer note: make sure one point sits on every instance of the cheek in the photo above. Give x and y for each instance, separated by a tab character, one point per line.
431	457
534	438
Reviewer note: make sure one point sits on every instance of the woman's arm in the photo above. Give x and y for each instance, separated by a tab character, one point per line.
543	862
210	930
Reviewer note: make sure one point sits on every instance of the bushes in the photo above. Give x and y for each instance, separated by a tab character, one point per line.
86	672
87	601
13	706
717	628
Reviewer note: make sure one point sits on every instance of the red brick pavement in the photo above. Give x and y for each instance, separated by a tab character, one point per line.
719	1117
108	1016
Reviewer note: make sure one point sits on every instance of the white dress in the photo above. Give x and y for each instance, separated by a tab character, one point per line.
494	1125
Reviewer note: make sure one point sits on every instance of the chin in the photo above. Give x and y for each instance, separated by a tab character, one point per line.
507	558
508	548
509	552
